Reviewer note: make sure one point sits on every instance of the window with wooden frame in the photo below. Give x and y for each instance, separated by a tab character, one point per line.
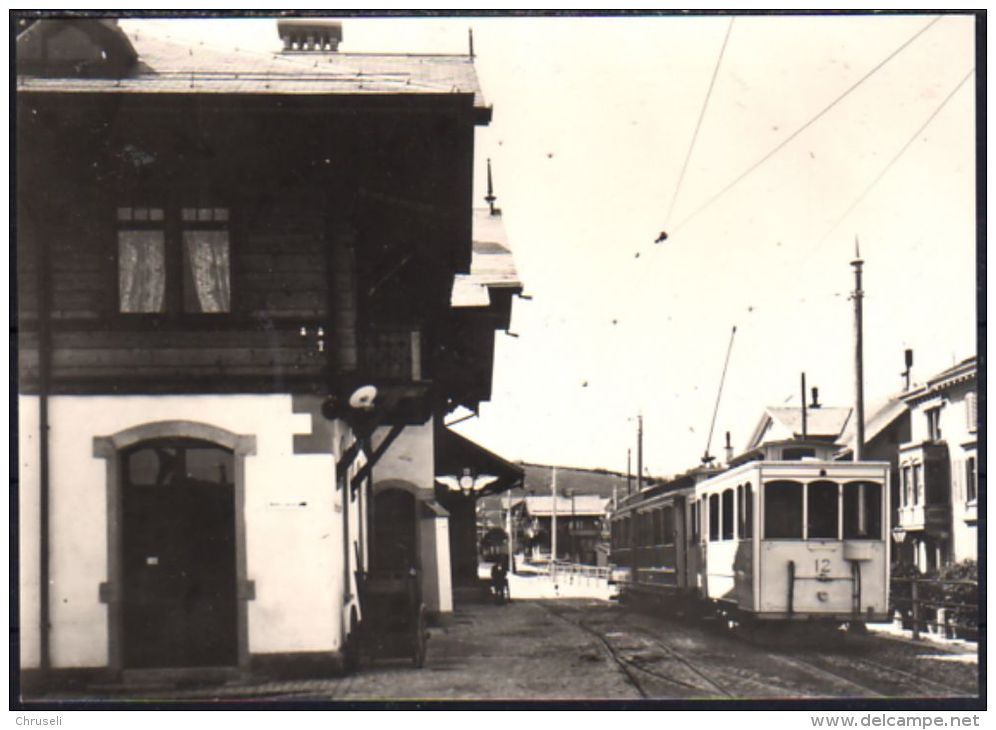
934	423
971	481
141	260
173	261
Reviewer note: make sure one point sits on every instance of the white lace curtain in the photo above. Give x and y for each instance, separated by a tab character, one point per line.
205	255
141	270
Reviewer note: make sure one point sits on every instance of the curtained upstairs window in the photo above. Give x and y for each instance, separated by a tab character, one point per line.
174	266
141	260
206	264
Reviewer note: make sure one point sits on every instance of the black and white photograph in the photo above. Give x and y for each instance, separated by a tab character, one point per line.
410	360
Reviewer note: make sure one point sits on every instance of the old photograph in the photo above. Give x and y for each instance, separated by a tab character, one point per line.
624	360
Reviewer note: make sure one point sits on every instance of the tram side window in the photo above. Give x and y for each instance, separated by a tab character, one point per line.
713	517
693	520
667	525
658	532
862	511
748	513
728	514
823	508
740	510
783	510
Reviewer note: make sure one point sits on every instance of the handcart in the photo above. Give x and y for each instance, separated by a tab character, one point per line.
393	615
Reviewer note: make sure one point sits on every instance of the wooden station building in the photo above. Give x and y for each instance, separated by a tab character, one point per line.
237	339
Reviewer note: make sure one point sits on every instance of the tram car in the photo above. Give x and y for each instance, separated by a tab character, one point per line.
774	537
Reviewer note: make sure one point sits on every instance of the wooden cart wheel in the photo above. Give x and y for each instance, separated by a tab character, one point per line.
420	639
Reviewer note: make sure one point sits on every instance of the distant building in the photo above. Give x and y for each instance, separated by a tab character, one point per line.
927	434
939	477
581	523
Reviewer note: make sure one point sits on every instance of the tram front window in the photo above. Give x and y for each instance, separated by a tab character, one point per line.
862	511
783	510
823	510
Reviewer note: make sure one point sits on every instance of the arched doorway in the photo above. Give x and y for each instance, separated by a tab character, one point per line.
395	539
178	554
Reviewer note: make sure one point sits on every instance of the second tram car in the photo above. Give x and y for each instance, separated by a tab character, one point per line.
775	538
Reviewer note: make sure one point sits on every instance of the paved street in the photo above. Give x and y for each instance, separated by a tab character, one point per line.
585	649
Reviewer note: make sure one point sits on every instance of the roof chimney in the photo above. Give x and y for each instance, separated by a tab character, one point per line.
816	397
301	35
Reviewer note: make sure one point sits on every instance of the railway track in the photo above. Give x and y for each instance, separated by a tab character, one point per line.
887	681
635	658
710	663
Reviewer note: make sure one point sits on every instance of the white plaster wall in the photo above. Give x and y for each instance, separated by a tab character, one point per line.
410	458
442	529
28	544
292	548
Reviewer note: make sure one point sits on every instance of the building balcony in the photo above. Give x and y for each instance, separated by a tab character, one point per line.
391	354
934	519
968	512
924	451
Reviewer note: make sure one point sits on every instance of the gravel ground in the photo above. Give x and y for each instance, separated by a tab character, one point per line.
582	649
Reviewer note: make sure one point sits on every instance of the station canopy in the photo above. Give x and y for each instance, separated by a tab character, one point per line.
465	466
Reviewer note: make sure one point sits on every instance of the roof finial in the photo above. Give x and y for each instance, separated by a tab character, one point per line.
857	248
490	197
470	40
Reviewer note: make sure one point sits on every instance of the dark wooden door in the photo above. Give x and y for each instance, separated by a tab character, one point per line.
178	525
395	541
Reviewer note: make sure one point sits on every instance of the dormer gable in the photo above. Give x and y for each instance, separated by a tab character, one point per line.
75	47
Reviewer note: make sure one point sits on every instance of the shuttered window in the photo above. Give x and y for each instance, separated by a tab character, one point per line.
971	410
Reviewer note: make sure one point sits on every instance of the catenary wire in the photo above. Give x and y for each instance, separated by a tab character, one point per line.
648	269
895	158
698	124
807	124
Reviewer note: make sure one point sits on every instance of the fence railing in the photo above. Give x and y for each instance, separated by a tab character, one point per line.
562	567
950	607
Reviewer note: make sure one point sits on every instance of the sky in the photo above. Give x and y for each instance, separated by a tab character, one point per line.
594	119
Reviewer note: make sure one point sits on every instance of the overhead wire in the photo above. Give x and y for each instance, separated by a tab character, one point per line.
864	193
781	145
648	269
698	124
650	265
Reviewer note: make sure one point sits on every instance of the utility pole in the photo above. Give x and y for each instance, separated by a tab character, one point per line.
553	524
629	472
802	402
859	388
509	532
639	453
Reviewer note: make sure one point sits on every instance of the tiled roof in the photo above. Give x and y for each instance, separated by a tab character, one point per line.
822	422
964	371
491	266
882	415
167	65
